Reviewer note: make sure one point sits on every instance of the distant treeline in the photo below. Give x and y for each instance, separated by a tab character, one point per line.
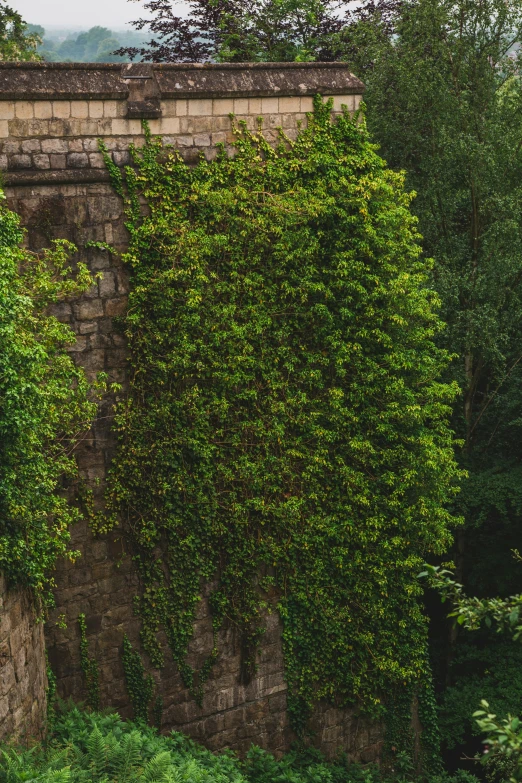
97	45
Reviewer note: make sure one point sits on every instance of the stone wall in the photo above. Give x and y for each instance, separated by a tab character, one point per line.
23	681
51	117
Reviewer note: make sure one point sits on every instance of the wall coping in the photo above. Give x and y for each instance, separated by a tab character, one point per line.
97	81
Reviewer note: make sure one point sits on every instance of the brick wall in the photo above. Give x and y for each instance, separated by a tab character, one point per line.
51	117
22	668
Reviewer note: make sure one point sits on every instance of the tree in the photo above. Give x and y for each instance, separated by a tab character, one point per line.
45	405
17	42
444	100
264	31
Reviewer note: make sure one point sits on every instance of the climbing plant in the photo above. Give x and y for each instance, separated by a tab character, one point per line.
46	404
140	686
89	666
285	433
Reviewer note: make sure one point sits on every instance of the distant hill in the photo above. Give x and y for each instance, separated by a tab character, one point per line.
91	46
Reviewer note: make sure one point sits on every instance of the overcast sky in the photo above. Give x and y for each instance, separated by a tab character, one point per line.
78	13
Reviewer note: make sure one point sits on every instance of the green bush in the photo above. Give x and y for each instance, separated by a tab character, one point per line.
89	747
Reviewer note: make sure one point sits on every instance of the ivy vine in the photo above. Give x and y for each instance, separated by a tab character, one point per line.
46	405
89	667
286	432
140	686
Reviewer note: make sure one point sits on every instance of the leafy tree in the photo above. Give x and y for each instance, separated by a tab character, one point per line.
444	100
261	31
17	41
44	406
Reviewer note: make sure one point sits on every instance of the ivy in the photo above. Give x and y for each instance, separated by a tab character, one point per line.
89	667
46	404
140	686
285	435
50	695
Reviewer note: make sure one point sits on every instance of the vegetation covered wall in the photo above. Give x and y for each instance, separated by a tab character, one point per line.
52	118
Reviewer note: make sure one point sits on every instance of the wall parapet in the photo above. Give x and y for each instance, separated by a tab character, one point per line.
113	81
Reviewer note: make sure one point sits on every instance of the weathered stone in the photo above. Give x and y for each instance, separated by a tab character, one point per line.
86	311
77	160
20	162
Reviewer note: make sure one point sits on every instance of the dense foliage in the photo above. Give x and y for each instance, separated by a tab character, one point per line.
444	99
16	41
285	432
101	748
45	405
264	31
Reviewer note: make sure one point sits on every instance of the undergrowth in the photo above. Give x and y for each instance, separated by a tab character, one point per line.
93	747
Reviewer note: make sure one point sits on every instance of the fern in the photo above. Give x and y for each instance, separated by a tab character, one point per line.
158	768
96	752
126	757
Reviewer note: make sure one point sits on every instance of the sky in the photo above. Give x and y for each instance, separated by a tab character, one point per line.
78	13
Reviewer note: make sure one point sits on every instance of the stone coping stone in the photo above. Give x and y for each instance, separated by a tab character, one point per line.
95	81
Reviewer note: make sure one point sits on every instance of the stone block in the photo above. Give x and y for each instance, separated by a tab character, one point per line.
7	677
241	106
255	106
96	109
107	285
96	160
110	109
24	110
79	110
61	109
221	124
168	108
41	162
54	146
115	306
343	100
181	108
7	113
202	140
90	145
121	158
4	129
57	161
125	127
3	162
307	103
201	107
269	105
75	145
223	106
4	709
11	147
43	110
80	344
202	124
31	145
219	138
17	162
289	105
86	311
169	125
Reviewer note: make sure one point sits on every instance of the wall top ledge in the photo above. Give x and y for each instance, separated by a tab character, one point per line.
92	81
